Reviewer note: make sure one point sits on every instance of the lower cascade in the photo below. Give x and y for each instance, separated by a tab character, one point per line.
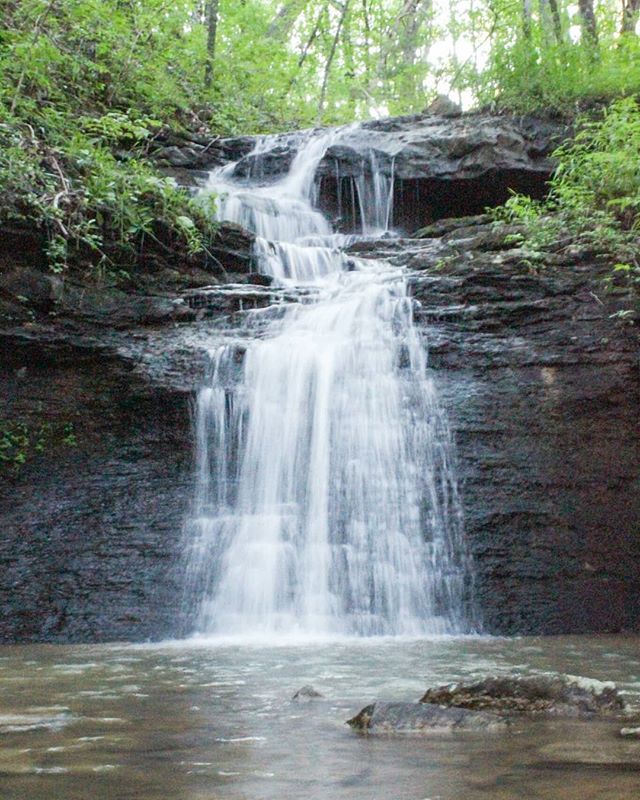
326	498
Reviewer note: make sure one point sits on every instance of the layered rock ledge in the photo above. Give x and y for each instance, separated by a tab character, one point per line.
539	372
441	166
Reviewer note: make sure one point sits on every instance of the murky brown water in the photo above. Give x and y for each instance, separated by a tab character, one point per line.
201	722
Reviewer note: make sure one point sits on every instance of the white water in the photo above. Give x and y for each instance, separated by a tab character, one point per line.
326	497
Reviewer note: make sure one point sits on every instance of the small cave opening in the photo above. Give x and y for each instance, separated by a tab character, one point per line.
418	202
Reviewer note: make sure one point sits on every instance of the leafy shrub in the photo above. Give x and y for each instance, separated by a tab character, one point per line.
94	208
594	192
549	68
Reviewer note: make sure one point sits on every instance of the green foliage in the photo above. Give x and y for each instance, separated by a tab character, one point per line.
93	54
558	78
119	128
553	67
272	58
287	63
87	85
21	442
594	193
600	167
94	208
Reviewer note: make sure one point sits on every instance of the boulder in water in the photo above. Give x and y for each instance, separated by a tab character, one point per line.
532	696
422	719
306	694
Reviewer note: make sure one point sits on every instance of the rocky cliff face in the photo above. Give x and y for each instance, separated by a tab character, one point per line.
90	530
441	166
542	386
540	381
419	146
96	387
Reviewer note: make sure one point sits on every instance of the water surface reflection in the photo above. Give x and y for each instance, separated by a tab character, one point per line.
202	721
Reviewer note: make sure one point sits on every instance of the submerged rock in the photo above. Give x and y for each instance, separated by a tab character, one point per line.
593	749
20	723
422	718
540	695
305	694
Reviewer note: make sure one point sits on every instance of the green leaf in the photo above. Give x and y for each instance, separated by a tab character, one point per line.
185	222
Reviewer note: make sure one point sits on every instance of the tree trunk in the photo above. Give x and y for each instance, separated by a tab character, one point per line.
550	21
285	19
630	16
212	29
526	18
327	69
311	39
557	21
408	25
589	27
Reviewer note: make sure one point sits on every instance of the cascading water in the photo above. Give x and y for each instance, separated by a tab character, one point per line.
326	496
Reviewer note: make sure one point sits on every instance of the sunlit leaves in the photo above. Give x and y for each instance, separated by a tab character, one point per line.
594	193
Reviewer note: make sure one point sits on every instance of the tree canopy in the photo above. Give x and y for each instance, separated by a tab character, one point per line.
86	85
260	65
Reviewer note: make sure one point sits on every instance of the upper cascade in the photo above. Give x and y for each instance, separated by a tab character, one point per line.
294	240
326	496
429	166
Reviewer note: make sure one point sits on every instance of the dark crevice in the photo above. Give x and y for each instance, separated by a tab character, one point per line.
421	201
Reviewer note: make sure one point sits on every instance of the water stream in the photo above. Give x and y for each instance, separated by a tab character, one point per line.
216	722
326	499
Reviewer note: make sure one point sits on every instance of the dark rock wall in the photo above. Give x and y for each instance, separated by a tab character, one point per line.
442	166
542	389
420	201
542	386
549	466
90	534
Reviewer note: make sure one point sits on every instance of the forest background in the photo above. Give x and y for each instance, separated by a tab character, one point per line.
88	86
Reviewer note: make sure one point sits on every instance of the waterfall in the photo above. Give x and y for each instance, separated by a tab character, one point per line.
326	495
375	197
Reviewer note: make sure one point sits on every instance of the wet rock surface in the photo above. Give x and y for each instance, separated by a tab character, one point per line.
423	145
91	530
468	146
538	375
540	380
99	381
306	695
550	696
148	295
422	719
442	165
598	751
